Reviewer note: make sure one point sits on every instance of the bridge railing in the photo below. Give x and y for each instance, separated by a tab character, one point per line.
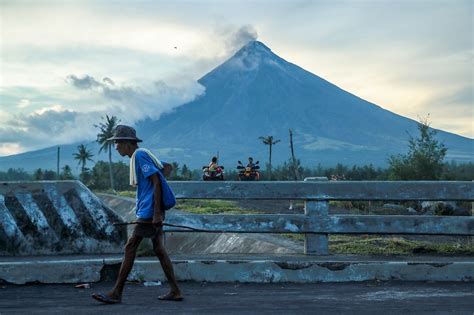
316	223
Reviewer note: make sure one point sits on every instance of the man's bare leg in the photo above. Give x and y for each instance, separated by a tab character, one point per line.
165	261
126	266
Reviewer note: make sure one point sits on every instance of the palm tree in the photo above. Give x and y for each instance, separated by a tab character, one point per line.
269	141
82	156
107	129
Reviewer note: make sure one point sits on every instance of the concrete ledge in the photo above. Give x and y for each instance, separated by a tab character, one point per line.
56	218
54	271
297	269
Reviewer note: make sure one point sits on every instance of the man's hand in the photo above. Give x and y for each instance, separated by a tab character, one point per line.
157	220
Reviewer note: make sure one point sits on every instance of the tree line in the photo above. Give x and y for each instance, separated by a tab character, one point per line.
424	160
98	176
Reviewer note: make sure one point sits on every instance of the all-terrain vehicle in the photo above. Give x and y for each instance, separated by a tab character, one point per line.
215	174
248	172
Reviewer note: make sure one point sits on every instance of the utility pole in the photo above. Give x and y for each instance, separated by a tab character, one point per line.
269	141
293	159
57	165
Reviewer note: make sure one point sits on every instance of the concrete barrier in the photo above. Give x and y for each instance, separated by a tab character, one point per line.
246	269
56	217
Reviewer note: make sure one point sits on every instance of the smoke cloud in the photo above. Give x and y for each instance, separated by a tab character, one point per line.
134	103
241	37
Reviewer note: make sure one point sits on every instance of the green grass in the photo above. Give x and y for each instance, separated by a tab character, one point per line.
375	245
206	206
360	245
127	193
294	237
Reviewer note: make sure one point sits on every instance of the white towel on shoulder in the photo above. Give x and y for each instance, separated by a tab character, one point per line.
133	173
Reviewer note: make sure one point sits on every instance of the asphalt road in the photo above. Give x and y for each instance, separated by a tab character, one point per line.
233	298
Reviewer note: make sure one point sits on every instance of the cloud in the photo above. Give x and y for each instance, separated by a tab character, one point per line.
461	97
53	108
133	103
85	83
50	122
445	108
236	39
45	128
47	122
9	148
108	80
60	123
23	103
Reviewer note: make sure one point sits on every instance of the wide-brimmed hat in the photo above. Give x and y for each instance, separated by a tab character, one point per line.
123	132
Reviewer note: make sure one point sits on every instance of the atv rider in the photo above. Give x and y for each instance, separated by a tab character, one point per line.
251	164
213	165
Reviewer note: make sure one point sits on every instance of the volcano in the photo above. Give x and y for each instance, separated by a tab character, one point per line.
256	93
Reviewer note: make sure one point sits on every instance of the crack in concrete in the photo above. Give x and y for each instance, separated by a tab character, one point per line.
334	266
294	265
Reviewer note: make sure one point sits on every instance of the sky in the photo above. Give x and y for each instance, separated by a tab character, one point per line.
65	64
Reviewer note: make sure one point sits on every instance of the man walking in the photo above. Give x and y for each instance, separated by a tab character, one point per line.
145	172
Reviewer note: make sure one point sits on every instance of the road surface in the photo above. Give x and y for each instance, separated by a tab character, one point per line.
234	298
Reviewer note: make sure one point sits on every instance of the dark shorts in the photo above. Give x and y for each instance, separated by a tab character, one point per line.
147	229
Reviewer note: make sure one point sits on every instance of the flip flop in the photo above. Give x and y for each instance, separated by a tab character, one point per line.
101	297
170	297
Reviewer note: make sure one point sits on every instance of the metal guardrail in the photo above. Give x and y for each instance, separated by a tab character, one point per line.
316	223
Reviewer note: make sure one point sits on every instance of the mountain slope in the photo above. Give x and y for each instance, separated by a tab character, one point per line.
256	93
47	158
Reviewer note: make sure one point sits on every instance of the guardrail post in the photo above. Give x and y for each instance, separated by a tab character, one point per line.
316	244
471	238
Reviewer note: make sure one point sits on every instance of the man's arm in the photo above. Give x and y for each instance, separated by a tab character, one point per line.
157	216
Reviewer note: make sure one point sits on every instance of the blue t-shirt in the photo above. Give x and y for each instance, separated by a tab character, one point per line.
144	167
